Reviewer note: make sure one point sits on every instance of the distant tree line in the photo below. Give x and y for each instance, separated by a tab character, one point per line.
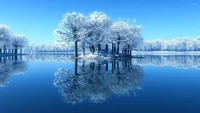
33	48
98	31
9	42
179	44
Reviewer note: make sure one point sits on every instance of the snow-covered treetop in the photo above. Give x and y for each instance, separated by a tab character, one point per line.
119	31
19	41
71	27
4	35
8	39
94	29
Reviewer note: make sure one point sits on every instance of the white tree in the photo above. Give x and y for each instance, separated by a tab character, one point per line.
119	31
71	29
5	37
96	28
18	42
135	39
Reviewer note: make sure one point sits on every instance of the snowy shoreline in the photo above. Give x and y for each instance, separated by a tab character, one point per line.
165	52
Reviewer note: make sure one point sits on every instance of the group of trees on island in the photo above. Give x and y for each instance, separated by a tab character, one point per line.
98	31
9	42
178	44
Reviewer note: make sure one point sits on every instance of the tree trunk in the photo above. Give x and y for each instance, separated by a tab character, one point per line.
93	65
99	68
93	49
112	67
118	42
112	47
83	48
76	67
15	50
76	49
118	68
90	49
4	60
21	51
106	66
16	59
99	47
4	49
106	47
118	48
128	50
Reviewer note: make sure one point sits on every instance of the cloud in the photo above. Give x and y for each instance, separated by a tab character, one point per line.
194	4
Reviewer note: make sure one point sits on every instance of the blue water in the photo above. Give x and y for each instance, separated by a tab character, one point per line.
142	87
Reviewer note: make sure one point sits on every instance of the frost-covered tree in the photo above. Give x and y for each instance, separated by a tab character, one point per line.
18	42
127	35
5	38
133	40
95	30
96	26
71	29
119	31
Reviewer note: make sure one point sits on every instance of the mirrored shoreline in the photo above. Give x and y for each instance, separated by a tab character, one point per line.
180	61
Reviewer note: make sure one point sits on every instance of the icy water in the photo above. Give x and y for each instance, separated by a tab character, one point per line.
60	84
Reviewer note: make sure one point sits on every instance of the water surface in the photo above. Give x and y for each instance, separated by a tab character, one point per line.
60	84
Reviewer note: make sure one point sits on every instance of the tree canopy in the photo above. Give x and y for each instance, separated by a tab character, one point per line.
10	41
95	30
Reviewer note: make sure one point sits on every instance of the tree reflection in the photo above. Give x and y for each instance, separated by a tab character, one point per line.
180	61
96	81
11	65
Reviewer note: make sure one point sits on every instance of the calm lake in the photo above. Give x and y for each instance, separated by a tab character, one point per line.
56	83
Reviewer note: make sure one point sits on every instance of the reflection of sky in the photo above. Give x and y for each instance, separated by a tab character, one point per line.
163	89
171	89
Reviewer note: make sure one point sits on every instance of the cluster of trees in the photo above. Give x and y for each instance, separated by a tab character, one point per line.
179	44
95	81
10	43
98	31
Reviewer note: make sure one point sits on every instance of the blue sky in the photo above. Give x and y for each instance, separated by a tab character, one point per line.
161	19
